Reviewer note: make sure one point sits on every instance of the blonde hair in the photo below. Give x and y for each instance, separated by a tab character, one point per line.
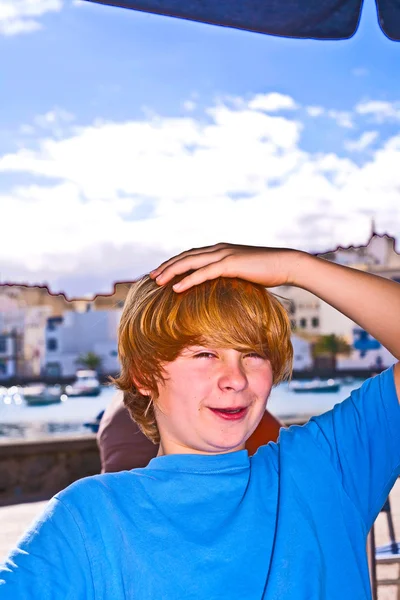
158	323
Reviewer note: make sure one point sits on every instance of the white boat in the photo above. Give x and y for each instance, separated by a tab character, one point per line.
86	384
315	386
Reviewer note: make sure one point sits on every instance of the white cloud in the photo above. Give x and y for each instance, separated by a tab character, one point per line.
363	142
379	110
53	117
132	193
272	102
177	158
315	111
55	122
22	16
343	118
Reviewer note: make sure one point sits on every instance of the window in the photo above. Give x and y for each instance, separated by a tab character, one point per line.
52	344
303	322
53	369
3	344
315	322
53	322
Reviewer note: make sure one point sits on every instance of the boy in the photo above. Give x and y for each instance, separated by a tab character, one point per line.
201	344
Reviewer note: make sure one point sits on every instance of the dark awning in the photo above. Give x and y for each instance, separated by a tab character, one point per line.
316	19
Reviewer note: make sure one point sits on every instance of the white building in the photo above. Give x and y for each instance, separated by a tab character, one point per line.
24	328
8	355
313	316
77	333
302	356
34	339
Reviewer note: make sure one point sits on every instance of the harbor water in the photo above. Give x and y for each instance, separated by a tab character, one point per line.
20	421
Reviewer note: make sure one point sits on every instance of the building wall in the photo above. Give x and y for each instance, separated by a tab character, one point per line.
302	356
303	308
79	333
8	351
115	300
34	339
24	310
333	321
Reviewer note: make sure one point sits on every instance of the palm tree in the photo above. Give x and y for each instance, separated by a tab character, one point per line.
331	345
90	360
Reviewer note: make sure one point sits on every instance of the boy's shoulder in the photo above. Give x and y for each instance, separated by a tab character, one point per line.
99	488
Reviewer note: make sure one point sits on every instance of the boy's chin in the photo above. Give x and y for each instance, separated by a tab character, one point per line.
223	448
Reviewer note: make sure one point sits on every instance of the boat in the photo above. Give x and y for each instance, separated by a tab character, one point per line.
86	384
315	386
42	395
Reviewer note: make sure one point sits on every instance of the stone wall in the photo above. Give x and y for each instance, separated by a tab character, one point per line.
36	470
31	471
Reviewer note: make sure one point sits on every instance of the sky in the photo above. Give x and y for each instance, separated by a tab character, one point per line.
126	138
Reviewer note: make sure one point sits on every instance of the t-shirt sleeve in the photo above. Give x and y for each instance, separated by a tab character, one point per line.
362	437
49	561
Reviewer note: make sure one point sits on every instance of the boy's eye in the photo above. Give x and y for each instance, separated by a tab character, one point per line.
253	355
205	355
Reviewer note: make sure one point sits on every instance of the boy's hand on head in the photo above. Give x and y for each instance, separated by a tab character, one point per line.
370	300
267	266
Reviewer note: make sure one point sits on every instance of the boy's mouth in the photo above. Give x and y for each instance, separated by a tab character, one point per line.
230	414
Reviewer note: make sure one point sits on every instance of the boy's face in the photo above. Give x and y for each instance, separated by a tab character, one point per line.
212	400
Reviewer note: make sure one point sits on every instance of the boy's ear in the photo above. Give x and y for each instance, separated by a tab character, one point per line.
144	391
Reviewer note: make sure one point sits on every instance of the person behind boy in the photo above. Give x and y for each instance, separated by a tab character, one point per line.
201	344
122	445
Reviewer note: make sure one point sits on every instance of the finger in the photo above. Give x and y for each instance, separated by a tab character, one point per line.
177	257
207	273
189	262
193	252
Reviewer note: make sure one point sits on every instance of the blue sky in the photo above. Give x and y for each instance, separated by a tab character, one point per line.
127	137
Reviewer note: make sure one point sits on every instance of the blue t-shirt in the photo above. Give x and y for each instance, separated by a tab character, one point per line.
289	523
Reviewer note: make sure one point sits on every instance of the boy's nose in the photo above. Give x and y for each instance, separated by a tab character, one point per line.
233	377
